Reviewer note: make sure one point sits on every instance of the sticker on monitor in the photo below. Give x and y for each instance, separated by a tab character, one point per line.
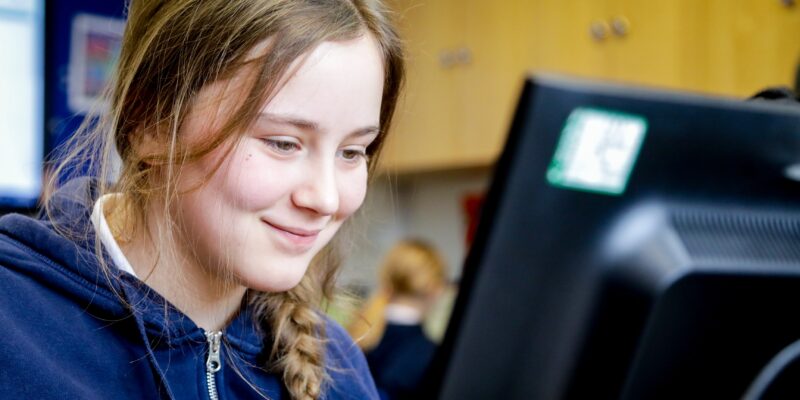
597	151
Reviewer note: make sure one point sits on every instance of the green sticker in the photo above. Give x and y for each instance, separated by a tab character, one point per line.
597	151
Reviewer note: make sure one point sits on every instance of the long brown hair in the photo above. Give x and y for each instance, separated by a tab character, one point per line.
172	49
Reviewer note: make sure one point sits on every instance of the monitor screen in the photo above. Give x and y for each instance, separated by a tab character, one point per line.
634	244
21	102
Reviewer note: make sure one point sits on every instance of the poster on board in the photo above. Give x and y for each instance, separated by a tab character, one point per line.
94	50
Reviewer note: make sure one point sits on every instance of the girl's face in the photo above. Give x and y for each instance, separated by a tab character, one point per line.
296	176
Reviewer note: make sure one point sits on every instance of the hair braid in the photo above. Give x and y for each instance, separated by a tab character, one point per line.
297	338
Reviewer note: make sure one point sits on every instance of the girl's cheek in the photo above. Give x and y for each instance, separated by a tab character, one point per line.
353	190
249	181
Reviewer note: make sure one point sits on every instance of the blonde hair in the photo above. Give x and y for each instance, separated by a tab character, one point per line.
170	51
412	268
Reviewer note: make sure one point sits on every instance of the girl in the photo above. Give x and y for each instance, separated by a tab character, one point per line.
245	131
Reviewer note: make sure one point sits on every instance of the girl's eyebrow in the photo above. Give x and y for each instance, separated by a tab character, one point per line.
285	119
307	125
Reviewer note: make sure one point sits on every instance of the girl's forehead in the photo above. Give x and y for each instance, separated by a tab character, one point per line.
337	85
338	81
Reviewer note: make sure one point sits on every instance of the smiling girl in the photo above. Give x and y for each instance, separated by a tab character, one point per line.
246	130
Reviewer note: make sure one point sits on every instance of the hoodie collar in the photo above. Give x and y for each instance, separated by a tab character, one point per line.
72	255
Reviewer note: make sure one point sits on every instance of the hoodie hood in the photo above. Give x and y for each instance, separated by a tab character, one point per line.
71	263
67	243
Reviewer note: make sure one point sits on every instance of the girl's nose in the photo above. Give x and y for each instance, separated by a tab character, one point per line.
319	191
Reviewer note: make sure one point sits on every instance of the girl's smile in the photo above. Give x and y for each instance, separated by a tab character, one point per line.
298	239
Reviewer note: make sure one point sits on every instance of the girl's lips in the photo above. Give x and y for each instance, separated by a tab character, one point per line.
297	237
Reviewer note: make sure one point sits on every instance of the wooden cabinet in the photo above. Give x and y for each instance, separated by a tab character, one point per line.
728	47
467	60
463	77
427	118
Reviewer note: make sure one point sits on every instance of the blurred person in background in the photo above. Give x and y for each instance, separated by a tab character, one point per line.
390	327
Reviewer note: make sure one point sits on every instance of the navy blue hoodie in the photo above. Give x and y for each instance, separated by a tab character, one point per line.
67	334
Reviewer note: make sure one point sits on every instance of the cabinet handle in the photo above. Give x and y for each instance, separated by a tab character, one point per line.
461	56
620	26
447	59
599	30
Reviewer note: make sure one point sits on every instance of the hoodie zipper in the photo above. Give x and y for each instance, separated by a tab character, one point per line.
213	363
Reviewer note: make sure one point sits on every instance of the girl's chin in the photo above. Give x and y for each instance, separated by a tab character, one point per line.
274	284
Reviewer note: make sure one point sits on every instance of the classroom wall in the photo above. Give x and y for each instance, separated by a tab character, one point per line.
427	206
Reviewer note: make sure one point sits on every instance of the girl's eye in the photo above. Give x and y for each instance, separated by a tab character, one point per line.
282	146
353	155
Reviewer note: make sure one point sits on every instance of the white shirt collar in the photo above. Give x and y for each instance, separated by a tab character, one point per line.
402	314
106	238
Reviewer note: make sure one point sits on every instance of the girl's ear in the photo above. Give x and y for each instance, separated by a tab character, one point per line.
148	145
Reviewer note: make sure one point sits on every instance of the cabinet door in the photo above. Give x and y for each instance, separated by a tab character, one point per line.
466	65
427	113
732	47
729	47
646	40
621	40
742	46
562	39
495	37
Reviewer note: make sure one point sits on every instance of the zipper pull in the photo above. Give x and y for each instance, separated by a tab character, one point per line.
212	363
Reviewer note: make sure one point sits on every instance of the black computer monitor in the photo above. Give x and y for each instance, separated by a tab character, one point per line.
634	244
